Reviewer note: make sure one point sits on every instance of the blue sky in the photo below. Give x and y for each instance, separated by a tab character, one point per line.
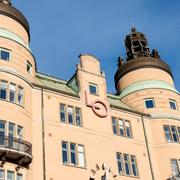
63	29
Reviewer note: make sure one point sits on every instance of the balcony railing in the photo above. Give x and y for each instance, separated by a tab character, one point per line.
15	150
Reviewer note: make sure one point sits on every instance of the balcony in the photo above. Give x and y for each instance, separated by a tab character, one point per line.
15	151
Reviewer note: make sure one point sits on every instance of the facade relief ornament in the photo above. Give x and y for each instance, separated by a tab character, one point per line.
98	106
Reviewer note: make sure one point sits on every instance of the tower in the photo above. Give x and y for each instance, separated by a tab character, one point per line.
145	83
17	72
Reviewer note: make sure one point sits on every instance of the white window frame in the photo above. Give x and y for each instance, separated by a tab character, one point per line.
96	87
149	99
6	50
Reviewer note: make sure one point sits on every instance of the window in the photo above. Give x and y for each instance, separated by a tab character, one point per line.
20	95
2	133
29	67
172	104
149	103
78	116
3	89
167	133
70	115
4	54
10	175
174	134
120	163
63	112
2	174
127	164
73	154
114	124
11	134
171	133
175	167
121	127
81	158
12	92
93	89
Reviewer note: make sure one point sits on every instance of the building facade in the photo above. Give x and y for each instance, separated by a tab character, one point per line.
51	129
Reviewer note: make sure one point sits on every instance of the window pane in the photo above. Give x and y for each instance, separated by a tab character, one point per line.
63	112
81	159
167	133
114	124
73	153
20	95
5	55
78	116
149	103
120	163
128	129
121	127
3	90
19	177
10	175
134	166
93	89
2	133
127	165
65	152
29	67
11	134
70	114
179	131
2	174
12	92
174	167
172	104
174	134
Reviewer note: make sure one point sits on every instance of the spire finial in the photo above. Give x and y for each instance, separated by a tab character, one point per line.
6	2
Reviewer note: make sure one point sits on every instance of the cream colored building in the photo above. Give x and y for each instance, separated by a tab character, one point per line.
51	129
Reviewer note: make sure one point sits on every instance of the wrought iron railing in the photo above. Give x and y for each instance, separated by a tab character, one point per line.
16	144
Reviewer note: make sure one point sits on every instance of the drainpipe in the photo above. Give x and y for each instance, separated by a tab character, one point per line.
147	146
43	134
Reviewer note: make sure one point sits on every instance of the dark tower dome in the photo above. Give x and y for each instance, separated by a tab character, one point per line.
8	10
139	57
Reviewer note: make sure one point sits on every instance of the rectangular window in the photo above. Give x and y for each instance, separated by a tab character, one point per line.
174	167
3	89
2	174
174	134
70	114
19	176
78	116
81	158
2	133
73	153
120	163
167	133
63	112
4	54
149	103
114	125
127	164
172	104
10	175
29	67
93	89
121	127
179	131
134	166
11	134
12	92
65	152
20	95
128	129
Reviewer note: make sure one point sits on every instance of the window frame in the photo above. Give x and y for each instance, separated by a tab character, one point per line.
28	64
7	51
174	103
19	94
5	89
153	102
94	86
